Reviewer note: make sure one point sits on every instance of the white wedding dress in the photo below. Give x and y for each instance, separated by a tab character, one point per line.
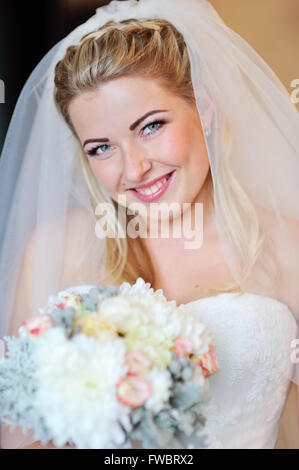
247	395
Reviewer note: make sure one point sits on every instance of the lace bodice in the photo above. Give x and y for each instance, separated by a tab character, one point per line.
247	395
253	335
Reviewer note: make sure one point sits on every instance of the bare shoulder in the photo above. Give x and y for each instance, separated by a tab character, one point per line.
272	224
286	249
80	226
72	231
73	235
81	242
290	266
271	219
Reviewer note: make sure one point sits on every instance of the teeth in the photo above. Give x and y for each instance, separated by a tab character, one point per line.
153	189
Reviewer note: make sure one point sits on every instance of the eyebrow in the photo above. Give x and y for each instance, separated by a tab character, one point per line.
132	126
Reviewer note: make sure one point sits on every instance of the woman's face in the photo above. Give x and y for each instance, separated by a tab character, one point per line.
136	133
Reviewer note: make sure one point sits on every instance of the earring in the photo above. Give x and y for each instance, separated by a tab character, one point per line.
207	131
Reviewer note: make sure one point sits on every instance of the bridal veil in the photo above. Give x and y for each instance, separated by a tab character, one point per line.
253	148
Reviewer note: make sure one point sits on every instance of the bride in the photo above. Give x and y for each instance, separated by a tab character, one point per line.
159	104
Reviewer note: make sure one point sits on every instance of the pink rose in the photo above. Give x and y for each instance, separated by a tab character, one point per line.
137	362
73	300
208	362
133	391
38	325
183	346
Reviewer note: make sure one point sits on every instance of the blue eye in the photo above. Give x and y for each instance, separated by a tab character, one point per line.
154	123
152	126
94	151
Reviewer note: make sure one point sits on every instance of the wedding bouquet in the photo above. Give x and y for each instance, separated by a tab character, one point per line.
101	367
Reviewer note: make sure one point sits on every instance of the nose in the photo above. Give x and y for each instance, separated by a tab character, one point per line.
135	166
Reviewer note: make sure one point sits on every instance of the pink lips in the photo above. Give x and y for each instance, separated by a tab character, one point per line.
157	194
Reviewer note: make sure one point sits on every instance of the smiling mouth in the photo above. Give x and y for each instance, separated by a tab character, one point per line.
154	192
154	188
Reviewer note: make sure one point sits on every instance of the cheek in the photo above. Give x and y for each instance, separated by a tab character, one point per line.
184	145
176	146
200	159
105	173
198	154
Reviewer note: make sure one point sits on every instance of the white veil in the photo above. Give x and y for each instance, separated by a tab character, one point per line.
43	196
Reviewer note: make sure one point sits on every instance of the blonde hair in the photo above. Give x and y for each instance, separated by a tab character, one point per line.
154	49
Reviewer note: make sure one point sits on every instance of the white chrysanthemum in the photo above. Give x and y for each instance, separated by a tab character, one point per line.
174	320
160	382
122	314
153	342
77	389
139	304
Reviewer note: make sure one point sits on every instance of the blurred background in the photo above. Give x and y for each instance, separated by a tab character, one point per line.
30	29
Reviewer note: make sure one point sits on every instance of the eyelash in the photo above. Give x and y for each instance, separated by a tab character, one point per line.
92	152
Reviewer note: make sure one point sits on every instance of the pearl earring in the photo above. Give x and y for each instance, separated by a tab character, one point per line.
207	131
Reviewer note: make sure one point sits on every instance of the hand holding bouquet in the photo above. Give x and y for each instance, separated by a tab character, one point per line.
99	367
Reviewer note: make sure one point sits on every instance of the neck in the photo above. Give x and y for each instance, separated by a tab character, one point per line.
197	218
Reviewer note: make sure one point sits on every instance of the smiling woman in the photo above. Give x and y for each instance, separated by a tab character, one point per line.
157	102
121	100
139	156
